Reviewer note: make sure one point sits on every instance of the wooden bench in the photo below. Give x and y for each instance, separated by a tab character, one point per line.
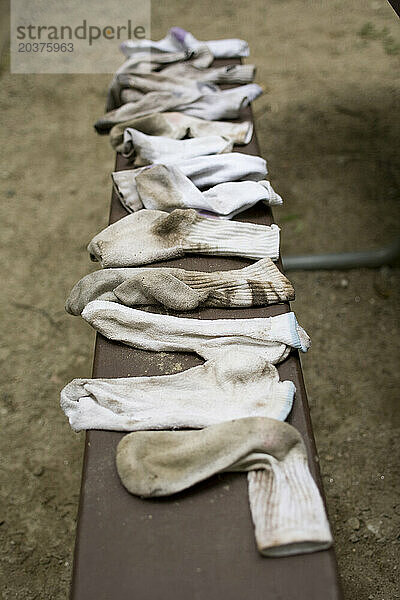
199	544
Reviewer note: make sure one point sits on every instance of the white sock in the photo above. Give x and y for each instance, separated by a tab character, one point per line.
177	126
225	48
229	199
296	523
152	58
178	77
147	62
237	384
225	104
132	87
179	38
230	74
256	285
204	171
239	133
131	48
149	149
152	61
154	102
273	337
287	509
147	236
214	106
145	83
167	188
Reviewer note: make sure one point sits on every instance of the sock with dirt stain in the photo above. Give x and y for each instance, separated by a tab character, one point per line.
176	126
148	149
287	509
229	74
212	105
272	337
256	285
238	383
203	171
147	236
178	39
164	187
180	77
147	62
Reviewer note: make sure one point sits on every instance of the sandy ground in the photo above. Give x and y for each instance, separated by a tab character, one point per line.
328	126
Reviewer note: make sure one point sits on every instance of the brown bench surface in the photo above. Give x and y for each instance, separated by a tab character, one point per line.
196	545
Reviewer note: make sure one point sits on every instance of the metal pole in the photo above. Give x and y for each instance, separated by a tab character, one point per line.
346	260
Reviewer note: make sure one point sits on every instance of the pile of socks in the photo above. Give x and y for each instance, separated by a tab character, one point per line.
164	115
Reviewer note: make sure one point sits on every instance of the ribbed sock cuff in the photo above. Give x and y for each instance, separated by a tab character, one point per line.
249	133
252	91
221	237
287	509
229	48
280	289
236	74
274	199
286	329
281	401
258	284
125	188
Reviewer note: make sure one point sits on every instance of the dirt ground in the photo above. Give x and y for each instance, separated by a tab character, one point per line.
328	125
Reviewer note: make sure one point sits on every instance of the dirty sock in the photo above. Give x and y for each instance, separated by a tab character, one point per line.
177	126
148	62
239	133
147	236
152	103
134	87
239	383
204	171
179	77
167	188
214	106
148	149
178	38
259	284
230	74
225	104
224	48
149	59
287	509
273	337
229	199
